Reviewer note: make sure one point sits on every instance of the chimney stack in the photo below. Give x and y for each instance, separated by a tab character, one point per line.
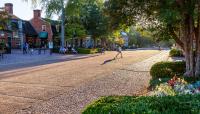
37	13
9	8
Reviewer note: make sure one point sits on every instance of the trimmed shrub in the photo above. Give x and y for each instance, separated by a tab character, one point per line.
55	50
176	53
87	51
185	104
2	46
167	69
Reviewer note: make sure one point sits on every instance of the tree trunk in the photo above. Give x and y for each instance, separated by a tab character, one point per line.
197	70
188	44
191	38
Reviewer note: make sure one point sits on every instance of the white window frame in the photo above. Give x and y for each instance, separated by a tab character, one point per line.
44	27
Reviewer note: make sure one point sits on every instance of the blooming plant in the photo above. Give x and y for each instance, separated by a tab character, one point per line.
176	86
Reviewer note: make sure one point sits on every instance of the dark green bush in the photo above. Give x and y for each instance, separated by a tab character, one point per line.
87	51
55	50
176	53
185	104
167	69
2	45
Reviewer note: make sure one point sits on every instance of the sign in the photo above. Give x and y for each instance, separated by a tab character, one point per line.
43	35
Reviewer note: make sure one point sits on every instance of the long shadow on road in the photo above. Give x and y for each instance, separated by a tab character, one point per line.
38	63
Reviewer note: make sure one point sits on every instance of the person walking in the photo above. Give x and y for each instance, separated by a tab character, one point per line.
119	52
24	48
102	50
27	47
51	47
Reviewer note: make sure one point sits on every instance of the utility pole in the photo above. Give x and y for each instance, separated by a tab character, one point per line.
62	24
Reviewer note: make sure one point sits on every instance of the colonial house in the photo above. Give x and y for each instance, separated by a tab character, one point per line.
42	27
17	31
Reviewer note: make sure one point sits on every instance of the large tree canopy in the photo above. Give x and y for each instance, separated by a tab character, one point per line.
177	19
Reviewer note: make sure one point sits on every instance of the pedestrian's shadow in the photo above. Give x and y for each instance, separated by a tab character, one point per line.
107	61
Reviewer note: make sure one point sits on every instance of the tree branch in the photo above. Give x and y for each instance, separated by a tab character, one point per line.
176	38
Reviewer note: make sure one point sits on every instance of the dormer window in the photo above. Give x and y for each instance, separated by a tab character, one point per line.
43	27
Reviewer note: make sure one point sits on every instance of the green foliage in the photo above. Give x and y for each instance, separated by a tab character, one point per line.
94	20
157	81
185	104
4	18
176	53
167	69
73	7
140	37
89	15
164	18
167	43
2	45
55	50
75	29
87	51
51	6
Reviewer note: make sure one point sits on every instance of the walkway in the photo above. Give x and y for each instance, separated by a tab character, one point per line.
67	87
18	60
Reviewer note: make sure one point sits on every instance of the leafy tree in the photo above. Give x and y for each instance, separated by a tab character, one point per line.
75	29
3	20
94	20
88	13
177	19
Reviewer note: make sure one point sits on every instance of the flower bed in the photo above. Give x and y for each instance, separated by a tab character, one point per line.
170	95
176	86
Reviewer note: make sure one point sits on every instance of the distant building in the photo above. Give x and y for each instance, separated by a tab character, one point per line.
42	27
17	30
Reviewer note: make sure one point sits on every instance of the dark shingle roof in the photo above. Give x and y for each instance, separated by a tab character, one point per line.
29	30
54	23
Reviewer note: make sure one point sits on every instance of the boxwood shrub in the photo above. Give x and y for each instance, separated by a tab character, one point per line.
55	50
167	69
176	53
87	51
185	104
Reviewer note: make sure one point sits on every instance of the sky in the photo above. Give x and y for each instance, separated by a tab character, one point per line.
23	10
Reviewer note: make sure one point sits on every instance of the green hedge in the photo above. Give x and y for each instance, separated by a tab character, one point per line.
185	104
176	53
87	51
55	50
2	45
167	69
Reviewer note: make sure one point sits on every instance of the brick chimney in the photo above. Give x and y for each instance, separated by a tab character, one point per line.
36	13
9	8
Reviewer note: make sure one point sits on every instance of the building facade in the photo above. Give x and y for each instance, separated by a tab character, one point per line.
42	27
17	31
